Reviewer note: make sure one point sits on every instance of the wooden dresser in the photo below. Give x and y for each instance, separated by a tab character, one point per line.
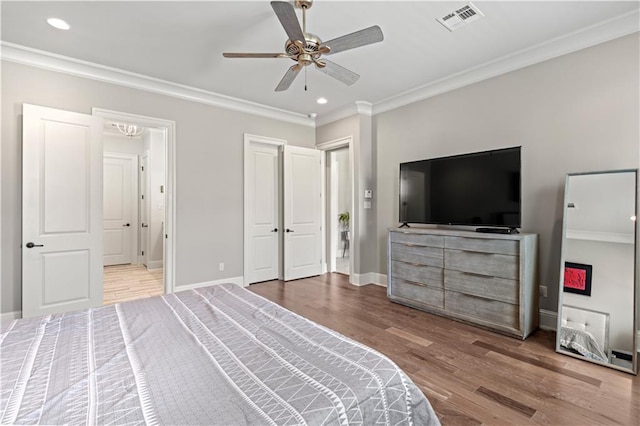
485	279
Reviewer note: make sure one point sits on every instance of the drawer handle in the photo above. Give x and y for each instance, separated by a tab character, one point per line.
473	274
413	283
480	297
478	252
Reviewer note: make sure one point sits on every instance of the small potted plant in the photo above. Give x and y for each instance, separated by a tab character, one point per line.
343	220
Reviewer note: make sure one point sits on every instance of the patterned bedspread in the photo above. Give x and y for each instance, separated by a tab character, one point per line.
217	355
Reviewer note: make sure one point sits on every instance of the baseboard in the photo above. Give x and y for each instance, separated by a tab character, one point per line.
154	264
235	280
10	316
368	278
548	320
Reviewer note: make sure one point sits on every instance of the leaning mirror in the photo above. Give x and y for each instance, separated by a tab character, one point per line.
598	300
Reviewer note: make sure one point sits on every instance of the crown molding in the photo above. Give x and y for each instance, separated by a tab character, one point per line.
365	108
358	107
602	32
50	61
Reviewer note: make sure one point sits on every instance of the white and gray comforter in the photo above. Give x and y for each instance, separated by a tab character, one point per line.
218	355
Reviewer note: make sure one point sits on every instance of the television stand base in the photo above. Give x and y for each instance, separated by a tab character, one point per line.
405	225
497	230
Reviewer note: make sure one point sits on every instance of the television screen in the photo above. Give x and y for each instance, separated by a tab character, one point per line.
481	188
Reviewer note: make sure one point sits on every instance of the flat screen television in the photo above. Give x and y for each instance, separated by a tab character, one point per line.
477	189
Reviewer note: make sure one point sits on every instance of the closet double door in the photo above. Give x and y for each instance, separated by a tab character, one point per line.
283	194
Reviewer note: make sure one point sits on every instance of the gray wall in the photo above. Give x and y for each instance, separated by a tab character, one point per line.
576	113
209	168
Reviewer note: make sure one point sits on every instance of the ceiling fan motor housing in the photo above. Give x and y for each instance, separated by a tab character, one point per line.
304	56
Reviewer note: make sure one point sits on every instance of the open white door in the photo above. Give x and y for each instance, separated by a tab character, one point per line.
61	211
119	219
302	213
262	212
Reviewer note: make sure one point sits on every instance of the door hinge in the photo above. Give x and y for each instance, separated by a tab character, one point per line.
142	168
142	196
142	252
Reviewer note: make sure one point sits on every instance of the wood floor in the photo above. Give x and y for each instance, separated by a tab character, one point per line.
130	282
470	375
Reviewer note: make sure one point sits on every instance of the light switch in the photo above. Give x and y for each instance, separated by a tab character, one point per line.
367	204
368	193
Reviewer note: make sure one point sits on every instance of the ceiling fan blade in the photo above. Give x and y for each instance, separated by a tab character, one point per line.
336	71
288	78
287	16
359	38
255	55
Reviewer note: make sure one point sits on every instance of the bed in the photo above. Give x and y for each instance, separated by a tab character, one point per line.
585	332
215	355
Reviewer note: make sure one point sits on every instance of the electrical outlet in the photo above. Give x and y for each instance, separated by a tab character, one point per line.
543	290
221	267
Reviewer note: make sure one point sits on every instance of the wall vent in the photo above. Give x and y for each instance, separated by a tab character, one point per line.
460	17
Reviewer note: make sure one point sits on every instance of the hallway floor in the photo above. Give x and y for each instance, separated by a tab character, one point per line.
130	282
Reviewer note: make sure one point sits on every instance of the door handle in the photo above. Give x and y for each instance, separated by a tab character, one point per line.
274	230
128	224
144	225
288	230
31	245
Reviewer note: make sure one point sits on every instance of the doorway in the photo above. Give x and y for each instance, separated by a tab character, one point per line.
150	270
339	177
339	209
133	211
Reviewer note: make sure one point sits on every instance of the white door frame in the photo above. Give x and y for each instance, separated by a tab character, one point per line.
134	200
248	140
346	141
169	128
144	204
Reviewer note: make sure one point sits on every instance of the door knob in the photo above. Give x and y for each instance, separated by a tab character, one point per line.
31	245
288	230
128	224
274	230
144	225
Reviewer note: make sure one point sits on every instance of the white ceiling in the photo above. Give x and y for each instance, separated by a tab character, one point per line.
182	42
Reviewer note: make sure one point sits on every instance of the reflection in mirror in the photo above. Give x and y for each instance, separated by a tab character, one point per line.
598	286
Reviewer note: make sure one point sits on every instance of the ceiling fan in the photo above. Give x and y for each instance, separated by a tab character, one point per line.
305	48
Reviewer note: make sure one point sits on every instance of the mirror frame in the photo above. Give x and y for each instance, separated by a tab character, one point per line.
636	273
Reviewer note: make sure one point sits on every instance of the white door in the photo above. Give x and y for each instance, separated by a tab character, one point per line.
119	220
302	213
262	212
61	211
144	209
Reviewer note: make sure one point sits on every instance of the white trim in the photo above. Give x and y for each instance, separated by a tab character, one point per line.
374	278
548	320
248	140
610	237
154	264
234	280
10	316
169	274
50	61
336	115
601	32
365	108
135	221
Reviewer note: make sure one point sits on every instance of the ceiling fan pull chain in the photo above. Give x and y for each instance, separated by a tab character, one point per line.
305	79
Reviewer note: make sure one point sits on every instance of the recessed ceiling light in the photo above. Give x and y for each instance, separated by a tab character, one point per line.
58	23
322	101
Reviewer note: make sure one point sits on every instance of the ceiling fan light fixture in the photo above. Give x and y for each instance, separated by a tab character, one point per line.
322	101
58	23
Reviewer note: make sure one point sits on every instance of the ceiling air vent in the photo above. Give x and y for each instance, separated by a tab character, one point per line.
460	17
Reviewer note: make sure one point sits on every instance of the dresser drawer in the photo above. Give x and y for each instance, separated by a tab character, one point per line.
483	245
421	255
417	293
493	311
418	274
417	239
501	289
494	265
